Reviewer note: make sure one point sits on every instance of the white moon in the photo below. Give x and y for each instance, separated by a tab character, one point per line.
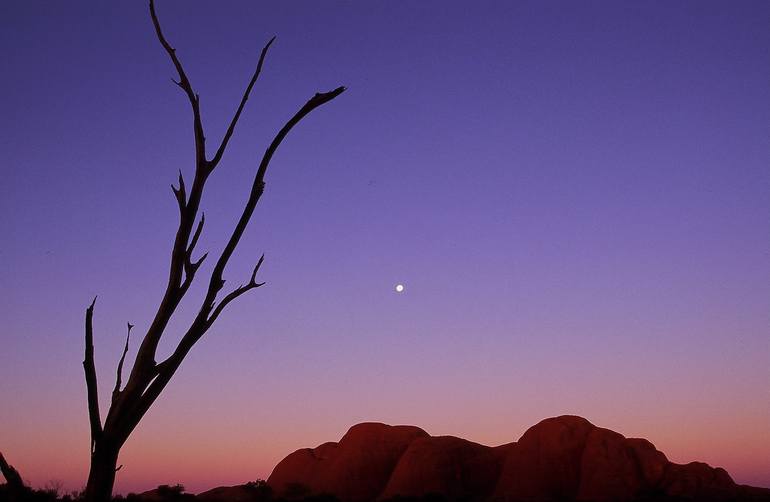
399	288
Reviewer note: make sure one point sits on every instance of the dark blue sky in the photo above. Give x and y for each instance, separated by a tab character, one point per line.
575	195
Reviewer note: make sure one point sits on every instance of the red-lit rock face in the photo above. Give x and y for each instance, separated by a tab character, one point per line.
355	469
561	458
546	460
445	465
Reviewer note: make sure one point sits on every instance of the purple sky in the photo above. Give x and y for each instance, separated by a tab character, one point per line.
575	195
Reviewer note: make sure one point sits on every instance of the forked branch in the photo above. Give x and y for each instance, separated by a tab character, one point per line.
252	284
257	188
191	267
181	264
208	312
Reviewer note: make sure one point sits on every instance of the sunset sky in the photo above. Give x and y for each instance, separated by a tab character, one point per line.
575	195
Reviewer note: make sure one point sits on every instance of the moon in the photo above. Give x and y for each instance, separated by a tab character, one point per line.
399	288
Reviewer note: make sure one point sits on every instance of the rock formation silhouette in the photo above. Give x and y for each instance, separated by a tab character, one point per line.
560	458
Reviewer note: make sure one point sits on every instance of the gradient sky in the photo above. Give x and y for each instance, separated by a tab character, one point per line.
576	196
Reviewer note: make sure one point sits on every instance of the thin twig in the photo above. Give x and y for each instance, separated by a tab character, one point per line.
231	127
116	390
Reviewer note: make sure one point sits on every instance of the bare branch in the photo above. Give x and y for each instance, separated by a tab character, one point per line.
194	265
144	366
190	269
184	83
319	99
256	269
116	390
252	284
231	128
196	235
90	374
180	194
215	284
203	321
144	369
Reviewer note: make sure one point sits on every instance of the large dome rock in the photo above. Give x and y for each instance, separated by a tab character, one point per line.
356	469
565	458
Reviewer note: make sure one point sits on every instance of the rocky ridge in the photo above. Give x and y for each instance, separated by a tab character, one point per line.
560	458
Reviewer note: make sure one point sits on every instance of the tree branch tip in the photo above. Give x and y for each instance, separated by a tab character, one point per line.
195	265
256	268
331	94
91	307
195	237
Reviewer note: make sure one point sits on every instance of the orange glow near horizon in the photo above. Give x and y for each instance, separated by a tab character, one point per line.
202	457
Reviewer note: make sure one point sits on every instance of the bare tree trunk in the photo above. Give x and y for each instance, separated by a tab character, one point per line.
148	377
101	477
15	485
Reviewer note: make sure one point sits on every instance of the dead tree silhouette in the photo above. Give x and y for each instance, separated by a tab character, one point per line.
148	378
